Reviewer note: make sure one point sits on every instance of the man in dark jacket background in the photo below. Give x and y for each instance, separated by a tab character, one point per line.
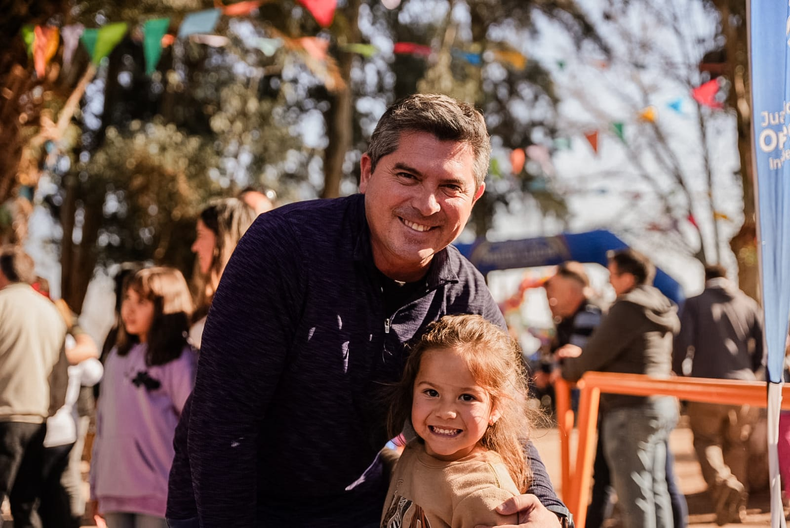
634	338
721	336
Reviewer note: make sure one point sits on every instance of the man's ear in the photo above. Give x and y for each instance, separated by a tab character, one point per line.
479	192
365	164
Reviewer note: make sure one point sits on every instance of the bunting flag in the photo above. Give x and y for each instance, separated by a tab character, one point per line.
200	22
215	41
514	58
366	50
410	48
322	10
717	215
592	138
648	114
153	31
29	36
475	59
541	154
493	168
692	220
241	8
100	42
562	143
676	105
561	64
71	37
619	131
268	46
706	94
517	160
45	45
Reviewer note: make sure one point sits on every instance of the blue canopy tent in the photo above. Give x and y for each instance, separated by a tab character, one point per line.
548	251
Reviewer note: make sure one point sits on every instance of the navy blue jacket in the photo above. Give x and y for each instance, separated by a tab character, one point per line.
287	412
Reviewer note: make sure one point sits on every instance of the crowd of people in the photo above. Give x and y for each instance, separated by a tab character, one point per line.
317	332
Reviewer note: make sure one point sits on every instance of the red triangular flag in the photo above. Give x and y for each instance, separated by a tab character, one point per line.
411	48
322	10
592	137
692	221
706	94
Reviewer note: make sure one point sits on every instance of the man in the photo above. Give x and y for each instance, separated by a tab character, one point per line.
308	327
634	338
721	335
32	382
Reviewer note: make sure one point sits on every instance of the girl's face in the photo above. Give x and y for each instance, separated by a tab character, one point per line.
450	411
137	314
204	246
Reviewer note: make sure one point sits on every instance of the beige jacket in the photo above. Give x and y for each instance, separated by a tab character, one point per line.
33	366
426	492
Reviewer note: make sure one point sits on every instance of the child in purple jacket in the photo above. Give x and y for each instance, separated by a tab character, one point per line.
147	379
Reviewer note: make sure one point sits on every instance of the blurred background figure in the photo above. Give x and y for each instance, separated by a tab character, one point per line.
62	498
219	228
260	200
32	382
148	377
721	336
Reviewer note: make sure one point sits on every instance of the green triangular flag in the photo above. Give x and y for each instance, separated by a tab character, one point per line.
366	50
494	169
107	38
562	143
618	130
561	64
29	36
153	31
88	39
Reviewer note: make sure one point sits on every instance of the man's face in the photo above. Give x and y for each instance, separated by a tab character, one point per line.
564	295
417	201
621	282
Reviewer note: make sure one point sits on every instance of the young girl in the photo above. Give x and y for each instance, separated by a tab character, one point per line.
463	393
148	377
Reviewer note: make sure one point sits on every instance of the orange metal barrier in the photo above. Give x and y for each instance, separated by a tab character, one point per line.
576	480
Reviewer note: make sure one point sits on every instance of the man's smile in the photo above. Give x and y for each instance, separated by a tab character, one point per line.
415	226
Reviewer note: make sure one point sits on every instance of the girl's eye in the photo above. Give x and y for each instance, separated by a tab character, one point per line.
430	392
468	398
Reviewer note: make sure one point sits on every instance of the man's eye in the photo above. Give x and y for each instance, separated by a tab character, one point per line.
406	175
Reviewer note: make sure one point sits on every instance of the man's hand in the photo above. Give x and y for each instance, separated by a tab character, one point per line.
531	513
568	351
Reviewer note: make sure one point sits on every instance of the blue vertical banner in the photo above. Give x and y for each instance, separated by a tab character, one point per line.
769	29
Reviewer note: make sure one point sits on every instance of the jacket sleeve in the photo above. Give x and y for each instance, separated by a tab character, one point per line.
541	486
684	340
606	343
246	341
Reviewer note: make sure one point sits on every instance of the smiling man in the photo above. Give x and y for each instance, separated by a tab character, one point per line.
311	323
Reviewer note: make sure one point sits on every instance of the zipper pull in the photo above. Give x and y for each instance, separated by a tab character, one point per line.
387	326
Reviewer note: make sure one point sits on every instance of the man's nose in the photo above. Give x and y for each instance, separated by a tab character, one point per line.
427	204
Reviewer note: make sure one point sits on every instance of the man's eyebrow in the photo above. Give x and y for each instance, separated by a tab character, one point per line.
402	166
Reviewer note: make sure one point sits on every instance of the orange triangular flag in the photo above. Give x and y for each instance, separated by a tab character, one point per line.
648	114
315	47
592	137
517	159
241	8
44	48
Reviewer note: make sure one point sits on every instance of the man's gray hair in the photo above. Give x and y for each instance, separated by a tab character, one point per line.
439	115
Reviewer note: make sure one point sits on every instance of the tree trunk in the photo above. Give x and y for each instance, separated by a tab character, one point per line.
744	243
339	118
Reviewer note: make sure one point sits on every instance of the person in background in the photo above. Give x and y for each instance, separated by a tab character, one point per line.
311	320
260	200
634	338
219	228
463	398
62	498
148	377
33	382
721	336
